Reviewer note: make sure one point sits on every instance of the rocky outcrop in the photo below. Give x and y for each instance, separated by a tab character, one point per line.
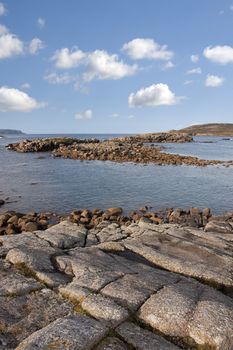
135	149
143	286
13	222
129	152
45	144
163	137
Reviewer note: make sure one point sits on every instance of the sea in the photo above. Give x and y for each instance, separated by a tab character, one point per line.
37	182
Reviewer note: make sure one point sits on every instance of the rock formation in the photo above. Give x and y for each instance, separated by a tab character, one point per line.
142	286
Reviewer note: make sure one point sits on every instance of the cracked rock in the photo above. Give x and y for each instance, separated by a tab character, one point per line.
77	332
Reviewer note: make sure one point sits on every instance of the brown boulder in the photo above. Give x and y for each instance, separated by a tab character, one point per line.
114	211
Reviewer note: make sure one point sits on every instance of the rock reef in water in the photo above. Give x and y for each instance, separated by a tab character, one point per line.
163	137
45	144
118	286
126	149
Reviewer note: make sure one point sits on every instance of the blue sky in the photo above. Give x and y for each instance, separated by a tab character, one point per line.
109	66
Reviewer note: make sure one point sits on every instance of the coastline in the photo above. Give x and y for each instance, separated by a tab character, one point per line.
119	285
14	222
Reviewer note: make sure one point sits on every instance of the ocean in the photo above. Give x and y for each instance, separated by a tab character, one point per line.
37	182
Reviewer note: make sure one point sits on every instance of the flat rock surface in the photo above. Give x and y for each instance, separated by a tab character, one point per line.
144	287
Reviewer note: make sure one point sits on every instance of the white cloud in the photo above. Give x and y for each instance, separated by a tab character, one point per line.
3	10
214	81
219	54
102	65
84	115
141	48
14	100
131	116
66	59
35	46
194	71
40	22
10	44
25	86
154	95
59	79
194	58
168	65
231	7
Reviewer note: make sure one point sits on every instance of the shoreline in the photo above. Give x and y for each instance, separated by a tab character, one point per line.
15	222
119	285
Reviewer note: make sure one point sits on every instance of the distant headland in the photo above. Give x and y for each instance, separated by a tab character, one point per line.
213	129
4	132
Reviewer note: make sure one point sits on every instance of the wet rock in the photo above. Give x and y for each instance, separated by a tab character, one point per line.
2	202
74	332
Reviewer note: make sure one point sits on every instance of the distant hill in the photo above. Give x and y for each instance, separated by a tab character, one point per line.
214	129
10	132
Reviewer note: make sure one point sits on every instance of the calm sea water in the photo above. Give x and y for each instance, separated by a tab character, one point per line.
61	185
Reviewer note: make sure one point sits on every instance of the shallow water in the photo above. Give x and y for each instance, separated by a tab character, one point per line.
37	182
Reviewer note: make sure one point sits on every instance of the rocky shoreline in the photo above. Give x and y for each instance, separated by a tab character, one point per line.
127	149
12	222
101	280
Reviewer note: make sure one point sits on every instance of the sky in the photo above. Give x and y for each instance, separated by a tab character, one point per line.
126	66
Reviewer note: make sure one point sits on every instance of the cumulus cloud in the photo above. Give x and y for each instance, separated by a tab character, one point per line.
66	59
213	81
14	100
219	54
154	95
140	48
194	58
59	79
194	71
10	44
35	46
3	10
40	22
98	64
102	65
84	115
